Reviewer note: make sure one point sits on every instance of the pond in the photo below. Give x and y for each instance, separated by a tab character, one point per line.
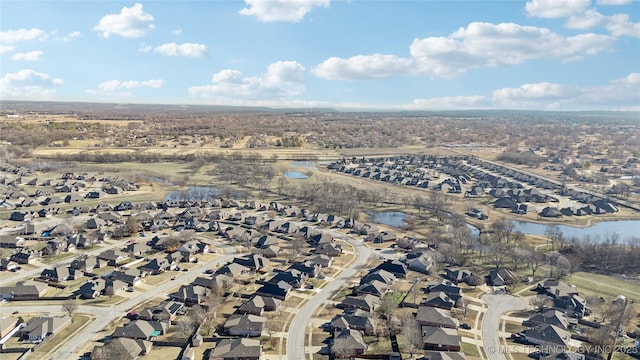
194	193
389	218
295	175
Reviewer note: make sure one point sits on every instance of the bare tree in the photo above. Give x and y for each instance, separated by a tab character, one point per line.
540	302
553	233
70	306
412	334
534	261
341	348
186	326
198	314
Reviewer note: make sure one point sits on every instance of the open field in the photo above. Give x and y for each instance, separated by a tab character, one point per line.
605	285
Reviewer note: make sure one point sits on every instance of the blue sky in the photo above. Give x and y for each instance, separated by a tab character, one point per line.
395	55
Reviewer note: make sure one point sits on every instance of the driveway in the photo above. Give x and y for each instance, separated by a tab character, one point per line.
498	305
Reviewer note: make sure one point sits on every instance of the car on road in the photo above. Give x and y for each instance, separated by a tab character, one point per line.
465	326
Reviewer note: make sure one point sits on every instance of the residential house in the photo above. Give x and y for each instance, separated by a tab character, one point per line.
551	337
129	277
446	286
24	257
58	274
436	317
137	249
157	266
501	277
438	299
39	328
328	249
127	349
86	263
356	319
379	275
574	305
8	265
395	267
440	338
244	325
190	294
11	242
279	290
322	260
237	349
457	276
233	270
138	329
374	287
24	290
219	281
366	302
253	262
257	304
166	311
552	317
352	342
556	289
113	257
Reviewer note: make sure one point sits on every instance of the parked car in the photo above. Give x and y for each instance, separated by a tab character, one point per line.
465	326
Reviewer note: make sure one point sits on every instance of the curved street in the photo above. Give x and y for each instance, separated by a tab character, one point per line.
498	305
297	333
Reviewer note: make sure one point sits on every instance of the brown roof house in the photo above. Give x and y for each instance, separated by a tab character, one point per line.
37	329
244	325
440	339
237	349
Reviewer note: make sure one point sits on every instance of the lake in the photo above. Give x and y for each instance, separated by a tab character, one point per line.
626	229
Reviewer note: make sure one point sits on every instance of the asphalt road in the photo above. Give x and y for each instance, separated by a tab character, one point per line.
297	334
107	314
498	305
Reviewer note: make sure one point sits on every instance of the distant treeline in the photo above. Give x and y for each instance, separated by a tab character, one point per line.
205	157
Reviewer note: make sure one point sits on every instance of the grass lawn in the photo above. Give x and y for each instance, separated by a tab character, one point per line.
607	286
470	349
512	327
163	353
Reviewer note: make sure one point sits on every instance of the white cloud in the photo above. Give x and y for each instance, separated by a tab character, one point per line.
477	45
70	36
281	10
622	93
28	56
613	2
283	79
6	48
620	25
132	22
115	85
28	83
362	67
555	8
186	49
177	31
20	35
586	20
